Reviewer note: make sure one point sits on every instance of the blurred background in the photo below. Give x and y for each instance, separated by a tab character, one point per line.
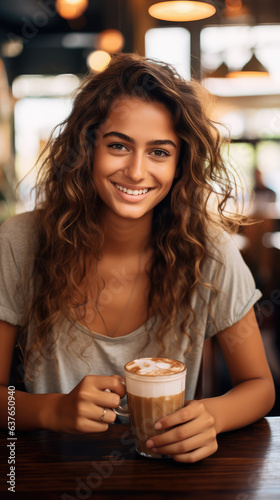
231	46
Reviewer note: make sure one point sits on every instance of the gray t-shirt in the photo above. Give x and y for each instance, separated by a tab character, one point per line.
105	355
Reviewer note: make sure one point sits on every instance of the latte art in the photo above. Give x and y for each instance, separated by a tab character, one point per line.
154	367
154	377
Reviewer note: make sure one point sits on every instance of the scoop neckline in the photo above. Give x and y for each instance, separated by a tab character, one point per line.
141	329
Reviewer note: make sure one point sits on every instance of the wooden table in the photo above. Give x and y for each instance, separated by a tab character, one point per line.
56	466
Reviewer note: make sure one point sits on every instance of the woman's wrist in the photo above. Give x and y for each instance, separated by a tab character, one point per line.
48	414
244	404
213	406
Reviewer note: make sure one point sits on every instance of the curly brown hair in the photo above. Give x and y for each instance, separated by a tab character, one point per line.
68	207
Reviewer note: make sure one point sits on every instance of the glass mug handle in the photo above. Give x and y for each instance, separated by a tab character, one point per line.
122	412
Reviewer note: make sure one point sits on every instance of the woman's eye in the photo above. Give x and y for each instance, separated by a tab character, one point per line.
160	153
117	146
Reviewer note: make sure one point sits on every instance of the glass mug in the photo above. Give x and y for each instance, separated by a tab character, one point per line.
155	388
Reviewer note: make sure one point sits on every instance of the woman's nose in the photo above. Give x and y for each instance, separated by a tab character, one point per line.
136	169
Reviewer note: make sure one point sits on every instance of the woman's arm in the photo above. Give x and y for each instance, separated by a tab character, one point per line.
252	396
28	407
79	411
253	393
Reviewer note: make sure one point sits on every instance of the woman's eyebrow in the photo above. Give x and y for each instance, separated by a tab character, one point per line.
124	137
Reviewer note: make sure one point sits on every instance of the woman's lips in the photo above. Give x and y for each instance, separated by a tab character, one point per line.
134	191
132	195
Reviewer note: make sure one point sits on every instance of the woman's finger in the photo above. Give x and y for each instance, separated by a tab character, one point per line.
189	412
179	433
203	425
122	379
85	425
99	413
112	383
105	399
106	415
187	445
196	455
164	439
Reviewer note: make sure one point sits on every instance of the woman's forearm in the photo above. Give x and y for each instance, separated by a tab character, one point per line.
31	410
242	405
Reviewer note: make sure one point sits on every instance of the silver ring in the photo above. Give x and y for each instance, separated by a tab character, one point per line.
103	415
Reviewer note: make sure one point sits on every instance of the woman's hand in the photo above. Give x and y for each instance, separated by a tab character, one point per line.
193	438
81	410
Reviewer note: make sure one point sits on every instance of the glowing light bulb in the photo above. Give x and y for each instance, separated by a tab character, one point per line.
181	10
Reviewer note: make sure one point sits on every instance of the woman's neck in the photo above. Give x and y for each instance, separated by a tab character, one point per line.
126	236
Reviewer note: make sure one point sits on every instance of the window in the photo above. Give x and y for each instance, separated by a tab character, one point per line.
171	45
43	103
234	45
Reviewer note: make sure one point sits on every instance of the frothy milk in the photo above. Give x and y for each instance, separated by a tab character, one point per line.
141	375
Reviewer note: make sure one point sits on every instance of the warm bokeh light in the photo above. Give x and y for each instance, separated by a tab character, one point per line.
110	41
236	12
12	48
98	60
71	9
181	11
233	4
248	74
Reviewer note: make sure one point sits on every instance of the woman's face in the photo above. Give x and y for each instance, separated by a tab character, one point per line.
136	155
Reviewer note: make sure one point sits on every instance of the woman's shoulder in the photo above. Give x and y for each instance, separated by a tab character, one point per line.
20	226
218	238
20	232
222	249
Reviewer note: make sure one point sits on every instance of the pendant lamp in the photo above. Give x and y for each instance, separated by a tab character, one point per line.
180	11
252	69
220	72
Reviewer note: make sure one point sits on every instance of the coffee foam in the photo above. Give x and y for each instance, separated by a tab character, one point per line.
161	377
154	367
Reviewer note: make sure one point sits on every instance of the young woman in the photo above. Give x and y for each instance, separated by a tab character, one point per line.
128	255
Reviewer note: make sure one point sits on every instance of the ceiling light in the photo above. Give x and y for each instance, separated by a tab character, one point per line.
181	10
71	9
98	60
253	68
110	41
220	72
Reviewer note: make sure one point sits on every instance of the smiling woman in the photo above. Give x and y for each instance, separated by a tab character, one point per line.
123	257
134	174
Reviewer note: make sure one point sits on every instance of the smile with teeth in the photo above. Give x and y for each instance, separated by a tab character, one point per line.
134	192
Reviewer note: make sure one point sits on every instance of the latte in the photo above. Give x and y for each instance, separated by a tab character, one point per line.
155	388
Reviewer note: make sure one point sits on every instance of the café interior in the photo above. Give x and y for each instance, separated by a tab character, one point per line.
231	46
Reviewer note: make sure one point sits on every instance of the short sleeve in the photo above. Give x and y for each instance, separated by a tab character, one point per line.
15	250
236	287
